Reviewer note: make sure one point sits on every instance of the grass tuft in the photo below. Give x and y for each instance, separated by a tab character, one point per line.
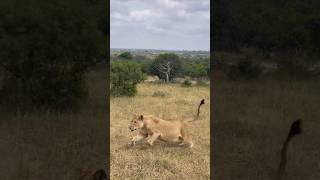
160	94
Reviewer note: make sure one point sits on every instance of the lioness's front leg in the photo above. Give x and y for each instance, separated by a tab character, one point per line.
152	138
137	138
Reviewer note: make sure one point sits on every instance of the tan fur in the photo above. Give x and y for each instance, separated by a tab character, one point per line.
152	128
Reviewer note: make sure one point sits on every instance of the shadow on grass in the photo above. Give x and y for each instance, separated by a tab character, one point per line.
156	145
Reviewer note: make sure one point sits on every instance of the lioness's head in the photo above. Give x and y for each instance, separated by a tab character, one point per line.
136	123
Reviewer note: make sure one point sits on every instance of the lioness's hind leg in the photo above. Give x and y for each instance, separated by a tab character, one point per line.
180	140
190	144
187	141
186	138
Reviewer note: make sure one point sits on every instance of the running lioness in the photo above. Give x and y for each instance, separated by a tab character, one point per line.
154	128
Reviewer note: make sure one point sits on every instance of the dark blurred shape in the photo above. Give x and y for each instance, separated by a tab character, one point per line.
294	130
100	175
47	47
201	103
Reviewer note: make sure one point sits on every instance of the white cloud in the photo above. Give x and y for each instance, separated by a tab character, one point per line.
143	15
160	24
169	3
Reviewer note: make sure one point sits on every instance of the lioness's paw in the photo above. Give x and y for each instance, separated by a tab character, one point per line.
150	142
131	144
191	145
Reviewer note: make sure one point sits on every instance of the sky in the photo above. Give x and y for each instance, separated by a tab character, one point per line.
160	24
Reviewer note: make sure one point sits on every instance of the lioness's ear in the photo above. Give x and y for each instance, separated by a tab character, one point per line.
141	117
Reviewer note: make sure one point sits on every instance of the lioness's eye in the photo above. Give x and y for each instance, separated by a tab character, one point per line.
135	121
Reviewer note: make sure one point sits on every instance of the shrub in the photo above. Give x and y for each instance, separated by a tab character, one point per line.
186	83
125	75
294	67
159	94
244	70
125	55
201	83
195	70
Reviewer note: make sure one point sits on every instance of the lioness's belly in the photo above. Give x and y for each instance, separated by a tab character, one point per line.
170	136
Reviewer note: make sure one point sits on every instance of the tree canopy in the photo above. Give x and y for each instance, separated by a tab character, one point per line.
125	55
46	47
281	27
166	66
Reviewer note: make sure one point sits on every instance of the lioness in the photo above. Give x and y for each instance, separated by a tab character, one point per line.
154	128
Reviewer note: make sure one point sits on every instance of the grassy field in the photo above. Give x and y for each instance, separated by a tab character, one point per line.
48	145
252	120
162	161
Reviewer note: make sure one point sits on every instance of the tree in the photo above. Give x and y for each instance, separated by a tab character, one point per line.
271	27
125	75
196	70
46	49
125	55
166	66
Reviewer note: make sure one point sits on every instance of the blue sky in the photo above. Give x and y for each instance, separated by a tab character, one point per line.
160	24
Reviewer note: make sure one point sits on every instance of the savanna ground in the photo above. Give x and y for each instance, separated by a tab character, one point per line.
50	145
251	121
163	160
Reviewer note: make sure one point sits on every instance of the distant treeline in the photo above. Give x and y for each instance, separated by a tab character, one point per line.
194	67
128	70
272	27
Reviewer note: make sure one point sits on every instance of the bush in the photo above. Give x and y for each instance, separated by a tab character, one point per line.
62	92
294	67
159	94
201	83
195	70
125	75
186	83
244	70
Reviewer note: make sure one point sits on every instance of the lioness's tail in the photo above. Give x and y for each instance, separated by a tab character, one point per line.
294	130
198	111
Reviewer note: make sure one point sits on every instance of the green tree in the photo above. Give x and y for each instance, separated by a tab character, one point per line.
195	70
271	27
125	75
125	55
166	66
46	49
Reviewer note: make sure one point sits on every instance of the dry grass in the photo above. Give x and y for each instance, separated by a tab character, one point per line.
251	122
56	146
162	161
